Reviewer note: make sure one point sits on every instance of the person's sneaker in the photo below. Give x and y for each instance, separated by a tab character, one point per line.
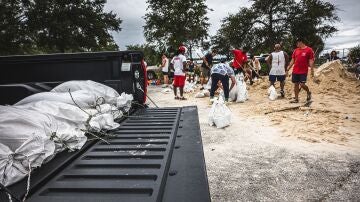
164	86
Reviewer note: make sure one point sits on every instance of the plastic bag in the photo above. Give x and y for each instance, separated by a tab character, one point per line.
100	90
272	93
219	115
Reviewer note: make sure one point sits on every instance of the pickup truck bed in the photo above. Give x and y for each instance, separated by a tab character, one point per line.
155	155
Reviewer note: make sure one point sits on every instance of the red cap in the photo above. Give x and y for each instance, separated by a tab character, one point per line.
182	48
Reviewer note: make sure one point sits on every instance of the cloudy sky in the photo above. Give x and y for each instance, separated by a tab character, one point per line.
133	11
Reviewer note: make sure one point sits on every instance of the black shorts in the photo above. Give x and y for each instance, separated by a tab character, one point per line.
274	78
299	78
165	73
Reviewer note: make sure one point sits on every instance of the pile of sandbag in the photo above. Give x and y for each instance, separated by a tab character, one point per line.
41	125
220	114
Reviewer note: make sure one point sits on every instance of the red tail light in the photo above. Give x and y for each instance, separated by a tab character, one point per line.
145	79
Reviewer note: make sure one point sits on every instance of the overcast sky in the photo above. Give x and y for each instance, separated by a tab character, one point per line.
133	11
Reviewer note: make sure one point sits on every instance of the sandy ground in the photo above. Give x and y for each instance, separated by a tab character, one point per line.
311	153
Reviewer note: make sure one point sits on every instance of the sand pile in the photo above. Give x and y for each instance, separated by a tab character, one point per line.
333	77
334	115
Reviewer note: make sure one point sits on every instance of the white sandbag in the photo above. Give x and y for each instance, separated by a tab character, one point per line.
200	95
222	94
124	101
166	90
109	109
100	90
103	122
206	93
220	114
24	142
233	94
272	93
60	111
208	85
60	126
189	87
15	164
69	137
82	98
242	93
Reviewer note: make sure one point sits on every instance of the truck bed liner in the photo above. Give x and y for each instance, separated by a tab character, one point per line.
155	155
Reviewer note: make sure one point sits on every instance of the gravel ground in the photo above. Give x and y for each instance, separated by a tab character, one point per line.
253	161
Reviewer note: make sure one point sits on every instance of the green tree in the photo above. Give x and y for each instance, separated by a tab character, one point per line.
171	23
354	53
12	28
268	22
71	25
152	55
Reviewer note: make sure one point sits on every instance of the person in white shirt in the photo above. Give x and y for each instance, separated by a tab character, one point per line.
278	61
255	63
179	65
165	69
222	72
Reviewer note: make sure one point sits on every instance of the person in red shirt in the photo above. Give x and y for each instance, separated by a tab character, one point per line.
302	59
240	59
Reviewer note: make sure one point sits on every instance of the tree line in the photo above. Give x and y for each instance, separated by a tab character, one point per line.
53	26
56	26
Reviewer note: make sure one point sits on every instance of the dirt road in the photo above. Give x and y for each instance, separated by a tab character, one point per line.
255	159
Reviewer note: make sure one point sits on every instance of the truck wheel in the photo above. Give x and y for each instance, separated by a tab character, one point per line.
151	75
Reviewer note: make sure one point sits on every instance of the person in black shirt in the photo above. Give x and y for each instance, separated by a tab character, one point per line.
191	70
333	56
206	66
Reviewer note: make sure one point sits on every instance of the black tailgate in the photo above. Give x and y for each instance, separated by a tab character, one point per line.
155	155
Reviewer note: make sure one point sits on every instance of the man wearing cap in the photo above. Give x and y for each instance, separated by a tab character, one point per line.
278	61
302	59
222	72
179	64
